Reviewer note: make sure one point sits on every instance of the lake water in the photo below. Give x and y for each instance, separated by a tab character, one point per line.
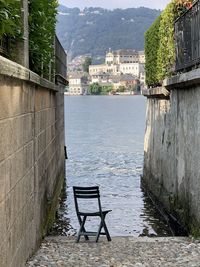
104	138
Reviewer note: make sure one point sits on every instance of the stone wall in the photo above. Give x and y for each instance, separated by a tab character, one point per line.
31	160
172	149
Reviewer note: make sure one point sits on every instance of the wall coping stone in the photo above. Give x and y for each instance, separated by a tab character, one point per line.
12	69
157	92
182	80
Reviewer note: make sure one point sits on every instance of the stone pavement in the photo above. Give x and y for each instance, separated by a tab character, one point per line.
120	252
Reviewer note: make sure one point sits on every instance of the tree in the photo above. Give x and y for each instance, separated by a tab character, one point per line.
86	64
106	89
95	89
121	89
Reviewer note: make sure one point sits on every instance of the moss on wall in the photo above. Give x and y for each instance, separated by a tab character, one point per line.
52	206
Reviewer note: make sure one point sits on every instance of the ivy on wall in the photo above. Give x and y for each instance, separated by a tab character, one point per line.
166	49
42	23
152	40
160	44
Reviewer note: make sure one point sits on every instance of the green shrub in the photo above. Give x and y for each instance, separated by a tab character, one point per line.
42	23
152	40
166	50
106	89
160	46
95	89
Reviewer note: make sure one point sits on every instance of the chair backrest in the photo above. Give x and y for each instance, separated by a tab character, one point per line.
86	193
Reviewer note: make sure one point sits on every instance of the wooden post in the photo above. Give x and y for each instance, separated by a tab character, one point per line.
23	46
26	33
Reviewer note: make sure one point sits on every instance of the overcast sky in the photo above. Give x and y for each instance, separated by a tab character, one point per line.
111	4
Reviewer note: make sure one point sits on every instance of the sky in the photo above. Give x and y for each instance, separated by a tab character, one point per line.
112	4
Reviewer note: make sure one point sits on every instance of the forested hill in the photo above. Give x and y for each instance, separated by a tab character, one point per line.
95	30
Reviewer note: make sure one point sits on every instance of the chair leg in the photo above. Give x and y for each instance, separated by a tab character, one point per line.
106	230
103	225
82	229
99	231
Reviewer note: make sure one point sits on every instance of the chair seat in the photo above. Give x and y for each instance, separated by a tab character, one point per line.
94	213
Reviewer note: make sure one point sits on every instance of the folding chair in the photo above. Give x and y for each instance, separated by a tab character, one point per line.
90	193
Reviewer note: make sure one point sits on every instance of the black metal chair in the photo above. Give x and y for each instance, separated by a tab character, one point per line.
90	193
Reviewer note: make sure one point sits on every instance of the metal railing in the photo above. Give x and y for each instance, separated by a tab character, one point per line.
187	38
60	61
4	46
56	71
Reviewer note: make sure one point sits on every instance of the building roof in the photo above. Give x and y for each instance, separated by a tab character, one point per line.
125	52
141	52
97	65
122	77
106	84
115	78
77	75
128	77
101	73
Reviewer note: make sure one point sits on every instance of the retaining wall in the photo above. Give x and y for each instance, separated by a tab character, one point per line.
31	159
172	148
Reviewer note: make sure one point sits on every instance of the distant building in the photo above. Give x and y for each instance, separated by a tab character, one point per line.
142	77
78	84
128	81
130	68
124	56
95	69
141	56
123	61
101	77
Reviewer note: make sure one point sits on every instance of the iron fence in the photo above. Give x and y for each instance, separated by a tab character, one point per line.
60	61
57	68
187	38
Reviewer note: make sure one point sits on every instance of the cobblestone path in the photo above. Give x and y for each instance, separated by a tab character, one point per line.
121	251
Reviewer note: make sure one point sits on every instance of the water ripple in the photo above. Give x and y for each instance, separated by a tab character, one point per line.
107	150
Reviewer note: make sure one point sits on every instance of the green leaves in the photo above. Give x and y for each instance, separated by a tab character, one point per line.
97	89
160	46
10	19
166	50
152	40
86	64
42	22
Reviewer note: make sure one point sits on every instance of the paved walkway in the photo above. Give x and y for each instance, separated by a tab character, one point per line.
121	251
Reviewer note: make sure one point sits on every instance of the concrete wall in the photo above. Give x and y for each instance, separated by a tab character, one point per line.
31	160
172	149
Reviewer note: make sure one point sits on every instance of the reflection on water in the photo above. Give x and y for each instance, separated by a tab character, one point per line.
104	137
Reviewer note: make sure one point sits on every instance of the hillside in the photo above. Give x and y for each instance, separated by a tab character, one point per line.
94	30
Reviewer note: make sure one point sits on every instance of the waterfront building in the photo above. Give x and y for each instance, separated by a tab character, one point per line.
78	84
124	56
123	61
